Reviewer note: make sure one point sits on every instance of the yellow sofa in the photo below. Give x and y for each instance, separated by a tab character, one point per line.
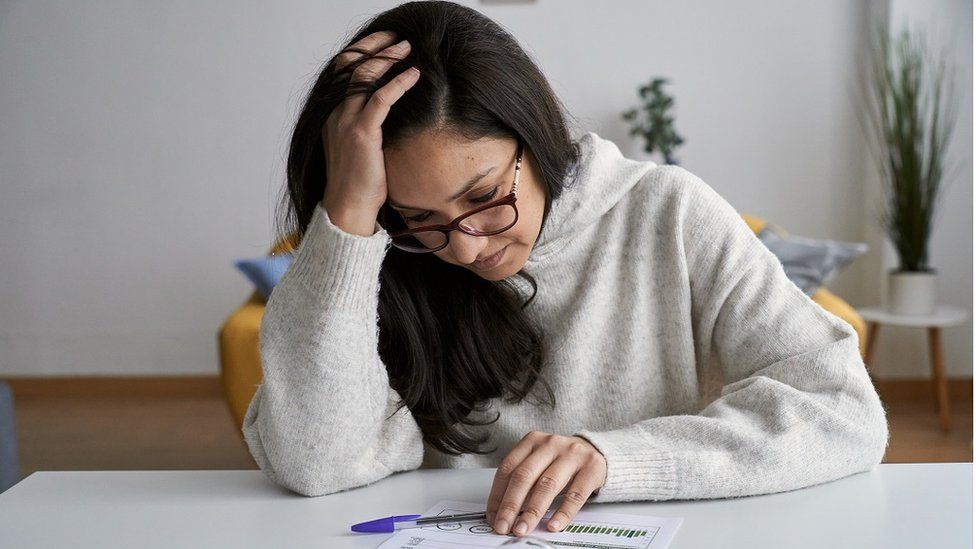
240	360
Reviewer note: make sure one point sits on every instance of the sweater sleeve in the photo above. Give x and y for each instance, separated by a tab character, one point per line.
797	407
318	422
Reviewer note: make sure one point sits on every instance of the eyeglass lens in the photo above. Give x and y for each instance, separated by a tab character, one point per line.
486	222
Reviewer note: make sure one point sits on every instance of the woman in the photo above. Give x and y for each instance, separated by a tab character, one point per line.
461	254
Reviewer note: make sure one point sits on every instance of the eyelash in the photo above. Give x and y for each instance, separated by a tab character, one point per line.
480	199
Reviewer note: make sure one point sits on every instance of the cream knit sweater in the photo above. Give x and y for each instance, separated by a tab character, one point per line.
650	285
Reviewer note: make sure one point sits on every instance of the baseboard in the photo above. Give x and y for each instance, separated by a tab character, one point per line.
912	389
115	386
891	390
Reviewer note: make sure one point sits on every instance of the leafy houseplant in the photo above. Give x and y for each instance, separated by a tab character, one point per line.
906	105
653	122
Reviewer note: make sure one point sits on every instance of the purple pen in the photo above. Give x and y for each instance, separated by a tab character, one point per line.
398	522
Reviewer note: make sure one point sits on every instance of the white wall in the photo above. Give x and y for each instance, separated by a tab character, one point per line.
904	352
142	150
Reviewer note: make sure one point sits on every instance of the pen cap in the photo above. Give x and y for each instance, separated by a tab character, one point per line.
384	525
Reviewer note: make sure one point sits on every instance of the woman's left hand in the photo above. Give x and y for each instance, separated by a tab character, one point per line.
534	473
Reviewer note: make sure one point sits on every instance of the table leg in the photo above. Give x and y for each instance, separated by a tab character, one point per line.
939	385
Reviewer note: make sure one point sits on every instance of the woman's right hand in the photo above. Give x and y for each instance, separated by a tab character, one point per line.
353	140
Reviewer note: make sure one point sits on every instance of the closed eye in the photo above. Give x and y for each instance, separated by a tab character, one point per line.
479	200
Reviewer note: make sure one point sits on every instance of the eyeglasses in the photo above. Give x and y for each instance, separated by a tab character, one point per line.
489	219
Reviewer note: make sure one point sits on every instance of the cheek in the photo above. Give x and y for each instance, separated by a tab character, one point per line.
522	233
530	220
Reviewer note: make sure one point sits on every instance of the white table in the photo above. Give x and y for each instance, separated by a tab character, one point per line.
944	316
893	506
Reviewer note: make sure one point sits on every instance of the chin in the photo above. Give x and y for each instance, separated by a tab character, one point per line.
491	275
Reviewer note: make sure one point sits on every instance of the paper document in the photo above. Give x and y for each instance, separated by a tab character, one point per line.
587	529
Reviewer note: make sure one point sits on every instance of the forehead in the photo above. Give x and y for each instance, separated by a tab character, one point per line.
428	168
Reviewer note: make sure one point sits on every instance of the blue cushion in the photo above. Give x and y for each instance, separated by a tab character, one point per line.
808	262
265	272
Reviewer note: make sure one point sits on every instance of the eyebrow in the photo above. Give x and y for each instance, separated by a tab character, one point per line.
464	189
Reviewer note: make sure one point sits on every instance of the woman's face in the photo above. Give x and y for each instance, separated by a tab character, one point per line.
429	168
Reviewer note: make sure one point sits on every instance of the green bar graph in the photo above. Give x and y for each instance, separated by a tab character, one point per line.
576	528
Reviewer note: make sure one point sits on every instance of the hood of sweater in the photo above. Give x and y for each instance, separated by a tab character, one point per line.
600	180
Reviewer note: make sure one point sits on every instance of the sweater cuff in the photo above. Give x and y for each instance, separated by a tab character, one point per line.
634	472
332	262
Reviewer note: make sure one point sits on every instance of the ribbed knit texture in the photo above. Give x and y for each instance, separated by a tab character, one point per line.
650	286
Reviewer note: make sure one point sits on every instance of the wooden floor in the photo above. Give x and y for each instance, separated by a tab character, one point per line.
185	424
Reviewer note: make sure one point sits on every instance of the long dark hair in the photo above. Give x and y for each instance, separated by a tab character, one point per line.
451	340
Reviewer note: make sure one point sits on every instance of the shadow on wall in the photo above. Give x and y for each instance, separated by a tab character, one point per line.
9	466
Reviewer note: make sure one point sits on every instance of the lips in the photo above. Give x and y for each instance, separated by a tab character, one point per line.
489	261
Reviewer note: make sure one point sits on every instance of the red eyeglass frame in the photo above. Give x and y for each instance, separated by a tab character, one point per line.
455	225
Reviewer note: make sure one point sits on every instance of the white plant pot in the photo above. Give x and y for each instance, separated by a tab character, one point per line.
911	292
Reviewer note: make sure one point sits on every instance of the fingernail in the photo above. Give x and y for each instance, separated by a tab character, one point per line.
555	524
521	527
501	527
402	44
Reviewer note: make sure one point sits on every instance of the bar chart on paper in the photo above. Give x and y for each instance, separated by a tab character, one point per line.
589	529
611	530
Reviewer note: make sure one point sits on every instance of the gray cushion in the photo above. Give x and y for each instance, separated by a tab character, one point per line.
809	262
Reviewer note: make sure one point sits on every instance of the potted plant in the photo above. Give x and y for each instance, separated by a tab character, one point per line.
911	131
653	122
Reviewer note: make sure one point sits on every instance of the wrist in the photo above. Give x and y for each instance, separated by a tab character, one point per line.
361	222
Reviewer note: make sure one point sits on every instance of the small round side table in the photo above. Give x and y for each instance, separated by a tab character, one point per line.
943	317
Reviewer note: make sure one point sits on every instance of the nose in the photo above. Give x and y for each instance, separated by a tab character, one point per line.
466	248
